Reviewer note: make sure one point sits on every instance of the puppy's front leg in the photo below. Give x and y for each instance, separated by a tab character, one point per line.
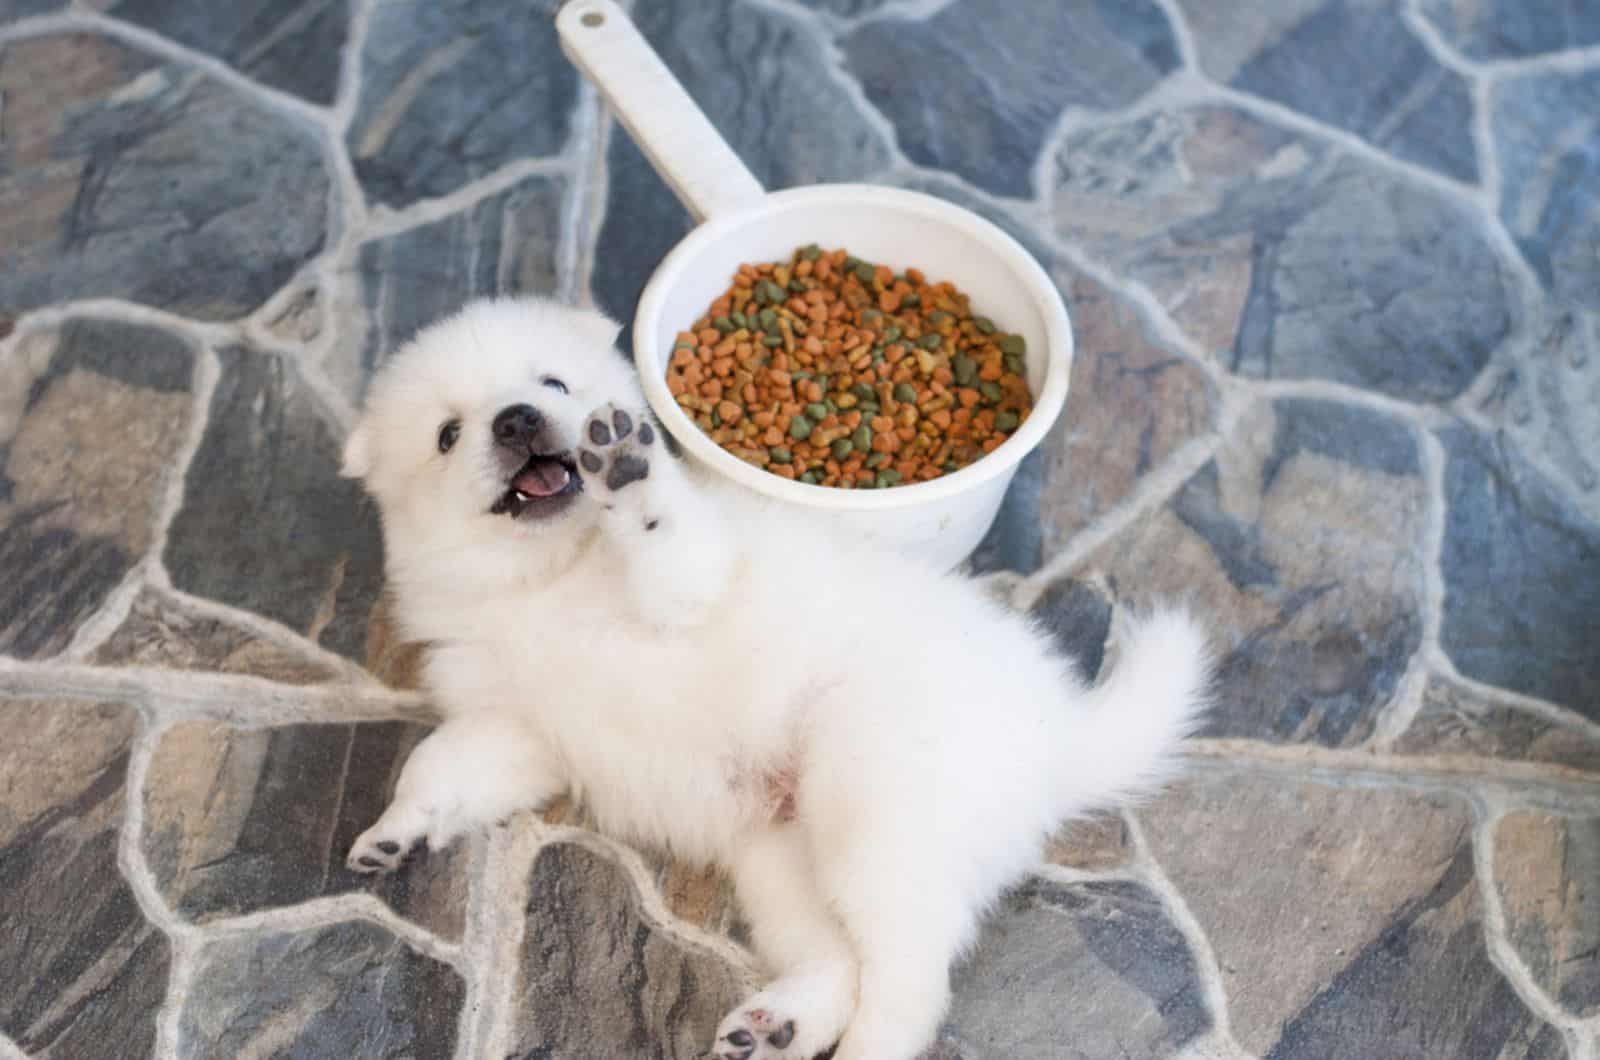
675	547
474	770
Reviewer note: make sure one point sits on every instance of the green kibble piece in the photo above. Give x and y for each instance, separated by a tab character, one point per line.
800	428
817	410
772	340
842	447
822	381
768	318
1005	421
800	373
780	455
828	403
683	344
740	320
930	341
811	478
984	324
868	408
888	477
938	318
871	316
905	392
723	324
965	369
911	301
863	392
877	460
990	390
1013	364
811	252
863	273
716	418
951	465
861	438
798	286
1014	344
892	335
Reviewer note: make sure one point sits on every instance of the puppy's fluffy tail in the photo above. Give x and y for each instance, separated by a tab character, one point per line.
1124	743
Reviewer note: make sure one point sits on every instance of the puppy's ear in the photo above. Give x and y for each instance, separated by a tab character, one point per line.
601	329
357	453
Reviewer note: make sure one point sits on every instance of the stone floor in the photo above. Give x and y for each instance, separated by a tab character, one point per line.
1334	267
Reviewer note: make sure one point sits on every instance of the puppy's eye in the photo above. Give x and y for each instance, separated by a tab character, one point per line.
448	435
554	384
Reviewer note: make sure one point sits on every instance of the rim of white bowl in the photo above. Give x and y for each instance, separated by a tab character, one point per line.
1047	404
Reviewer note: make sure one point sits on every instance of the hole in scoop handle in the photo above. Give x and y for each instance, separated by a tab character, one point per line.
682	145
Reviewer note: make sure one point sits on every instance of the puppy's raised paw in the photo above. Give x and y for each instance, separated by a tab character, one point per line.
616	450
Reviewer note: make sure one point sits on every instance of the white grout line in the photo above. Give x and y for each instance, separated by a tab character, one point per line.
1283	116
1395	718
327	911
497	922
9	1050
386	222
1188	52
180	980
241	700
1206	967
1501	952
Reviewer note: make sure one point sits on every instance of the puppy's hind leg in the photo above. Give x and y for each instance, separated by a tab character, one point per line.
670	536
473	770
802	1012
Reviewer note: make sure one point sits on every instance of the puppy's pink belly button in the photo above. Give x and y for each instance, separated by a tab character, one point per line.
778	786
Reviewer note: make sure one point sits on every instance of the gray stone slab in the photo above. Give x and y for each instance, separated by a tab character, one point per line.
1522	576
452	91
977	88
237	821
1546	867
599	979
1514	29
1351	63
110	153
1131	405
1076	972
1077	615
1285	257
1549	146
96	412
1301	546
82	974
293	46
1345	922
267	524
349	990
508	243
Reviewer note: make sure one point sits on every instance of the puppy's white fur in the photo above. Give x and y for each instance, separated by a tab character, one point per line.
873	751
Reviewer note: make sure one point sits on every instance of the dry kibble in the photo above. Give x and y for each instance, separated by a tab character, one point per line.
834	371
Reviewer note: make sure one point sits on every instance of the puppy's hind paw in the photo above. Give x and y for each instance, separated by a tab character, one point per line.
758	1034
376	851
616	449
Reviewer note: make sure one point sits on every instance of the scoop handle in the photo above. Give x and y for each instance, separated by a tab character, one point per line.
682	145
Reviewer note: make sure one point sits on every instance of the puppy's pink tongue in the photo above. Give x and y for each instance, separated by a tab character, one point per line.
543	478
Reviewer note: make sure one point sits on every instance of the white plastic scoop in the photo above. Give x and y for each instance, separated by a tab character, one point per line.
940	521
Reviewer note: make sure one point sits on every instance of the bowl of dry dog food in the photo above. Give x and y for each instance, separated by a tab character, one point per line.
880	356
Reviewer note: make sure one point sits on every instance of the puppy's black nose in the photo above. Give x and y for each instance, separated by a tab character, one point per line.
517	424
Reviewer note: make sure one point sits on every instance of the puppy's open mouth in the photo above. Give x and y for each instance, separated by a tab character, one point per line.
541	485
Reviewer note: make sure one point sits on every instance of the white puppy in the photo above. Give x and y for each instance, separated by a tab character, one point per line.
872	750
